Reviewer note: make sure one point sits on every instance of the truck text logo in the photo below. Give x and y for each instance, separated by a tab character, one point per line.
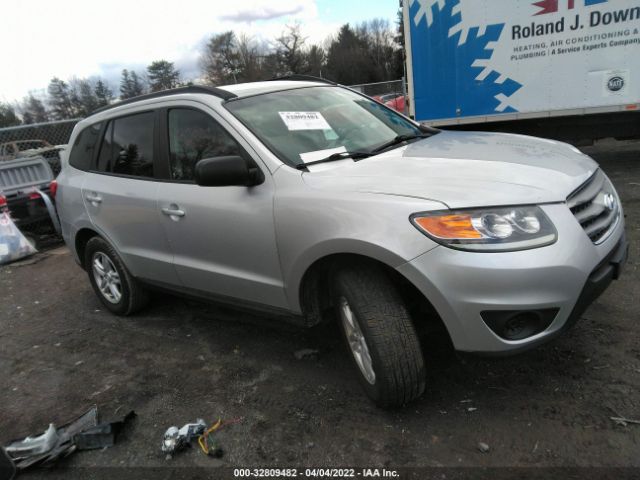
615	84
553	6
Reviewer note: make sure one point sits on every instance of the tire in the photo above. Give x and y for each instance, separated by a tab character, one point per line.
396	375
132	296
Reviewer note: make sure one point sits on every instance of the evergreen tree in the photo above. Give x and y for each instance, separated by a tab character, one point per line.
103	94
33	110
83	98
136	86
130	85
60	99
162	76
8	117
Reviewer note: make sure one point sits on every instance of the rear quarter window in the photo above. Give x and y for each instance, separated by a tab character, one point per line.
81	155
127	148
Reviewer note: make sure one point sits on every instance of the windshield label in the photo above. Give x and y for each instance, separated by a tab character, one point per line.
304	121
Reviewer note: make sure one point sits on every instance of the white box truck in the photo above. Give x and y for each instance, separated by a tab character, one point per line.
568	69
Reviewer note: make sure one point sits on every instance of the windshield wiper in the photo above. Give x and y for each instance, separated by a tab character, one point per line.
398	140
355	155
359	154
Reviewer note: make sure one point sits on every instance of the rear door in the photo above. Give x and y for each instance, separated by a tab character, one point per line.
120	194
223	238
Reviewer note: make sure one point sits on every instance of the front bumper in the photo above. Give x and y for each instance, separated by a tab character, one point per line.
566	277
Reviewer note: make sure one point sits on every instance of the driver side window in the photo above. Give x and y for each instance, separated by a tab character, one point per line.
194	135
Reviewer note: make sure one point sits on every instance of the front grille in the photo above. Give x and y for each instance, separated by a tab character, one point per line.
595	205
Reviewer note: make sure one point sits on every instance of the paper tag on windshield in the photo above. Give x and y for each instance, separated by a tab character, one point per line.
320	154
304	121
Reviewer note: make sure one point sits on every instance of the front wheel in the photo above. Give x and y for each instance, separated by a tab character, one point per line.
380	335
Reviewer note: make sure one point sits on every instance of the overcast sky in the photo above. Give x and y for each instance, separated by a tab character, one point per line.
44	38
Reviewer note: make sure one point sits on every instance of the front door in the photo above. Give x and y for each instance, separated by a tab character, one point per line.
223	238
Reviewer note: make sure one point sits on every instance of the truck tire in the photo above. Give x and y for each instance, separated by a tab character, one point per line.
118	291
379	334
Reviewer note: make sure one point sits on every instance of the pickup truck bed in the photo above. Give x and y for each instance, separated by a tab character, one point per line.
22	182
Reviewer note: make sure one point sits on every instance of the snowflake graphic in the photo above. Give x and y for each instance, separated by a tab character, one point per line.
452	63
426	10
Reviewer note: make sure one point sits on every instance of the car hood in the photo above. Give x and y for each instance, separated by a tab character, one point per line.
466	169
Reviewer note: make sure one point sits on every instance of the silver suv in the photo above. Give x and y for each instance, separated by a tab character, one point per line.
307	199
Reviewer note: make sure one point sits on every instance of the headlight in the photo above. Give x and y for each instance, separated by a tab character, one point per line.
488	229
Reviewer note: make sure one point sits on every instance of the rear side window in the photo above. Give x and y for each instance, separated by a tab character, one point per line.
127	148
194	135
85	144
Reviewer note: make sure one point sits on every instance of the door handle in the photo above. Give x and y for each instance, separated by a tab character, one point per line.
173	211
93	198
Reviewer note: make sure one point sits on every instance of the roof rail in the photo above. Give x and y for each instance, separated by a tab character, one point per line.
303	78
218	92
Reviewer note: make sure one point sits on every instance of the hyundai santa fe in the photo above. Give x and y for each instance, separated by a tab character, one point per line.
309	200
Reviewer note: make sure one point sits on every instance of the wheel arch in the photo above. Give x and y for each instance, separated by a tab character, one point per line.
314	289
81	239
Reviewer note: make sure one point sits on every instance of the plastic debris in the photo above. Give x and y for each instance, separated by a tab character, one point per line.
84	433
101	436
624	421
207	442
7	468
177	439
483	447
13	245
34	445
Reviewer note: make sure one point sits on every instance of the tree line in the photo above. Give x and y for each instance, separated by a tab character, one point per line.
369	52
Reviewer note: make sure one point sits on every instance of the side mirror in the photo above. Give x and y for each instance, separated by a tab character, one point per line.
227	171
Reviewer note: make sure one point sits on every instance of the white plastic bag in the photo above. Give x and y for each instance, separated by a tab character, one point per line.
13	245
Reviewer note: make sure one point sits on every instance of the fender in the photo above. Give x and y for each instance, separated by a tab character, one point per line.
293	278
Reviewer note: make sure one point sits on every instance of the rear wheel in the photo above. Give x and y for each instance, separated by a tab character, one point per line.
380	335
118	291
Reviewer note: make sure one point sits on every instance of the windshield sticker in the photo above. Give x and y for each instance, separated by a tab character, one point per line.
304	121
320	154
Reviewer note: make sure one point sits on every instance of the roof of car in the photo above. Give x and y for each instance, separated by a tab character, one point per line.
256	88
228	92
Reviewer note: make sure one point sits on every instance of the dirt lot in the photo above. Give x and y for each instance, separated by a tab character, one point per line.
61	352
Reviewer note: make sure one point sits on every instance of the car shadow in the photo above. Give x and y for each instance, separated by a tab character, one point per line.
303	353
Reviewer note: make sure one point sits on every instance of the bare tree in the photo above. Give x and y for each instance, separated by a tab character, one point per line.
315	61
289	48
221	60
251	56
380	40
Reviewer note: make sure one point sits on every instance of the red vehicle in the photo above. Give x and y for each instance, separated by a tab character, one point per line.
397	103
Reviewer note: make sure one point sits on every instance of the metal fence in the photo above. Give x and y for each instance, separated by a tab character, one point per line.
40	139
393	93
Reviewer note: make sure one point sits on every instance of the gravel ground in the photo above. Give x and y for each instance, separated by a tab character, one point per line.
61	352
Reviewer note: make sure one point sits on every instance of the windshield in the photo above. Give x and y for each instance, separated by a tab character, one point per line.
308	124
